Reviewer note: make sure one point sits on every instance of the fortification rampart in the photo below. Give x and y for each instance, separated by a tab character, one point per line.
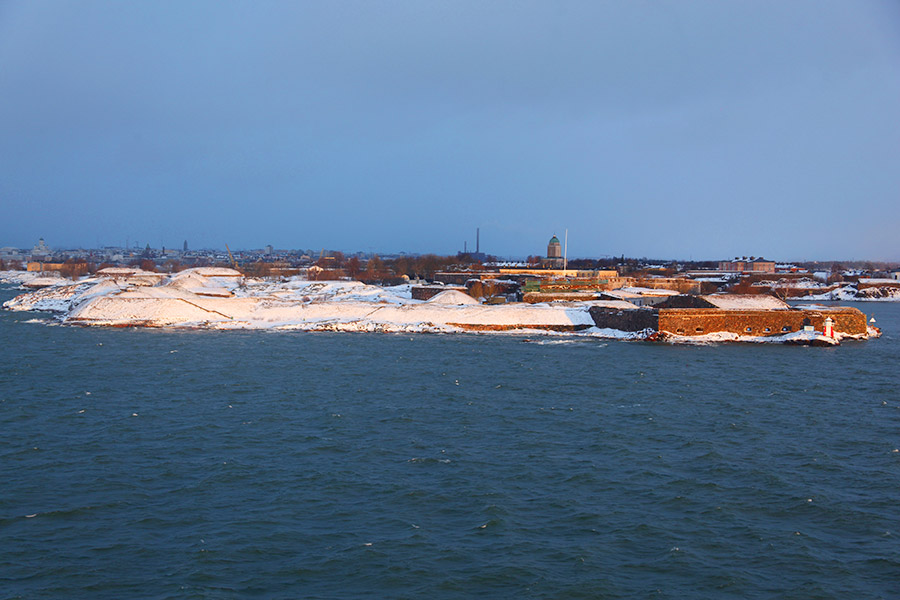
700	321
625	319
537	297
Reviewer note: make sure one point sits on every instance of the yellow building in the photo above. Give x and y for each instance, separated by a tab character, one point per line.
42	266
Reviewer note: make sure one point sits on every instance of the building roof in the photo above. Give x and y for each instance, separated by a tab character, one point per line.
642	291
554	240
745	302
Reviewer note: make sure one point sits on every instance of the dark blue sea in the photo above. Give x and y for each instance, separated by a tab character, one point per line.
199	464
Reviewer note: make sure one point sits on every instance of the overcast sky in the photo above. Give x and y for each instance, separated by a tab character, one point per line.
681	129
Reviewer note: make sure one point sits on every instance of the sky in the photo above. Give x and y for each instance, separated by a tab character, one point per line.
682	129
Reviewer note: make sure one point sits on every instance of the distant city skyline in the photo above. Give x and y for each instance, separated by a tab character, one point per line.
42	248
700	130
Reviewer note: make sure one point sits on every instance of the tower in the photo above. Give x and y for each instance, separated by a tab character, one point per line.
554	248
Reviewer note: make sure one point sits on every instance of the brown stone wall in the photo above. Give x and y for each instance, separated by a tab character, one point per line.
485	288
881	283
425	292
761	266
536	297
685	301
700	321
625	319
681	285
455	278
846	319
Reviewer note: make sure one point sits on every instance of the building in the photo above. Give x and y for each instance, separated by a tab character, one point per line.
41	250
39	266
743	315
748	265
554	249
10	253
554	259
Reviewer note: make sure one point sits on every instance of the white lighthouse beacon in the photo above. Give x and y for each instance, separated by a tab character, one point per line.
829	327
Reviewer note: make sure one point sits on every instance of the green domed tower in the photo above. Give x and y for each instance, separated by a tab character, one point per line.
554	249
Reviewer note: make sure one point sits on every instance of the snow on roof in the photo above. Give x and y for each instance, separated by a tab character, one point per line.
621	294
826	309
746	302
619	304
507	263
642	291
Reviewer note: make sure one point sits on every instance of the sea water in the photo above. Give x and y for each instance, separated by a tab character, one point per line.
138	463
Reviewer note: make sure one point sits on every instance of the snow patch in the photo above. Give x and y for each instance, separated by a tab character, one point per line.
454	297
746	302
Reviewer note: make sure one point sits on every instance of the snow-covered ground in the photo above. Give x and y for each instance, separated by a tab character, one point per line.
851	293
223	299
22	277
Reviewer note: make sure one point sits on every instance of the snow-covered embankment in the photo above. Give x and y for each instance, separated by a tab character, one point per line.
222	299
